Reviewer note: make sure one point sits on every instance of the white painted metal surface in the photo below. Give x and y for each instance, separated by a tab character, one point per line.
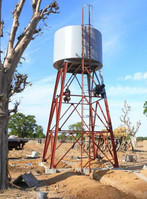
68	45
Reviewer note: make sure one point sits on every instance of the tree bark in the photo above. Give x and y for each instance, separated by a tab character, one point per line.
3	153
3	131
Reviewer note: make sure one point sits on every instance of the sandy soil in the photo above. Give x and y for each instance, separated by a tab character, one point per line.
129	182
124	180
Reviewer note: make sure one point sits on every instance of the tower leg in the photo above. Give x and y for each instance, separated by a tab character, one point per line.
111	134
91	118
58	112
116	164
49	133
55	107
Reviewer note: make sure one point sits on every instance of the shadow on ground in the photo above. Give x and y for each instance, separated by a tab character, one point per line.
97	175
55	179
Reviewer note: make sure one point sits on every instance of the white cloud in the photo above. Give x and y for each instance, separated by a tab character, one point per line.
127	77
145	75
47	80
136	76
126	90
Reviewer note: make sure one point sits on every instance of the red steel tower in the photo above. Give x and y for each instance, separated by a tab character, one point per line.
80	96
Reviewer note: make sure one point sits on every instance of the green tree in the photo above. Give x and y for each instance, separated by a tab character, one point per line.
39	132
77	128
145	108
24	126
62	136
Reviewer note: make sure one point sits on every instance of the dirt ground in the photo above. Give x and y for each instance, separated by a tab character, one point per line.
127	182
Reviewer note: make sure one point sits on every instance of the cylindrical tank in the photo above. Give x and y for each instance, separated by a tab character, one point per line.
68	46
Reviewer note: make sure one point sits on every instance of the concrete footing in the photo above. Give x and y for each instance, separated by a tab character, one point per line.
50	171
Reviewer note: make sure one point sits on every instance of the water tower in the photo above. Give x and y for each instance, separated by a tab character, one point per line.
79	96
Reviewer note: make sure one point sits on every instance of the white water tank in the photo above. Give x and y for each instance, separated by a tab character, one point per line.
68	46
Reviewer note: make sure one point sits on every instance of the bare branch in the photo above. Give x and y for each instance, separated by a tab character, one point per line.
1	22
10	50
20	83
30	30
21	45
34	4
137	127
16	14
132	130
15	109
52	8
1	28
124	117
27	35
38	2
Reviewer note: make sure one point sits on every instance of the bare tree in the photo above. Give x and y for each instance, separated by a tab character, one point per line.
15	48
131	129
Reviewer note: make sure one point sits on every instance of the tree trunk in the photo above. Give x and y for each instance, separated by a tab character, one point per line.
3	153
3	131
133	142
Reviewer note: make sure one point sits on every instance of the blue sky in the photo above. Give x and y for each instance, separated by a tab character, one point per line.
123	25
